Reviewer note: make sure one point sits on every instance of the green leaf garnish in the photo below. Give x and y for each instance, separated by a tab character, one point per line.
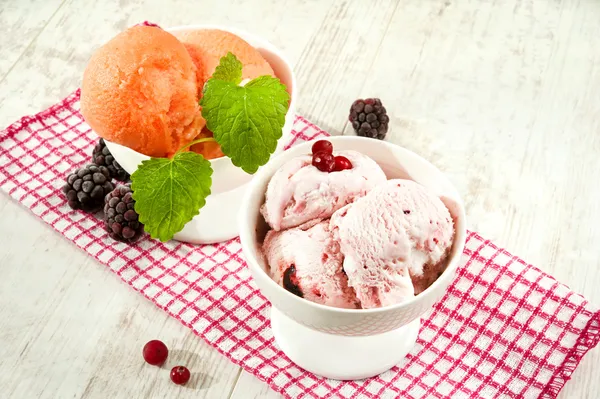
246	121
229	69
168	193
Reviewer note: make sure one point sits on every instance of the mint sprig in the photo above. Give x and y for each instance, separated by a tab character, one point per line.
246	121
168	193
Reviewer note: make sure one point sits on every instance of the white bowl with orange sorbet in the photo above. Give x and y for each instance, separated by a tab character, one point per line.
217	220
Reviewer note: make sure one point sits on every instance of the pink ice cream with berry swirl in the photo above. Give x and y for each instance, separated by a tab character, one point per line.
299	192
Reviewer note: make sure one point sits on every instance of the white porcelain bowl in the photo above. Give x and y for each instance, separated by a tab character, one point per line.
396	162
217	220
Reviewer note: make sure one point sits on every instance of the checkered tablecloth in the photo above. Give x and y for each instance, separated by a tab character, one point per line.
504	329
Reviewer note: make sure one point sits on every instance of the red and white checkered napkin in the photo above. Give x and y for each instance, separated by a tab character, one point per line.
504	329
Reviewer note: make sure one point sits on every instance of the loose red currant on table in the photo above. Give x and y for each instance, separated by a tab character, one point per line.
322	145
155	352
323	161
180	375
342	163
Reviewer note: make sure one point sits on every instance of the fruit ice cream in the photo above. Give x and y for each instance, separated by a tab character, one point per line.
140	90
299	192
307	262
347	237
395	237
207	46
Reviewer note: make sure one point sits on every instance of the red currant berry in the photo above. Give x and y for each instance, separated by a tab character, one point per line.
342	163
322	145
323	161
180	375
155	352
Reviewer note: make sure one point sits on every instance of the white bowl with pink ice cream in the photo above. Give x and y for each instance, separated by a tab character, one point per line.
362	253
217	220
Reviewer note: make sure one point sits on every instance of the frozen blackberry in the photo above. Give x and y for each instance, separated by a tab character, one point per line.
86	187
101	156
120	218
369	118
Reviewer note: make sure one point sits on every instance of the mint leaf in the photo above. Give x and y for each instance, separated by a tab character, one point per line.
168	193
229	69
246	121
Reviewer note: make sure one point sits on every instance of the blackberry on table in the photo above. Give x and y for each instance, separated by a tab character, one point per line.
120	218
101	156
369	118
86	187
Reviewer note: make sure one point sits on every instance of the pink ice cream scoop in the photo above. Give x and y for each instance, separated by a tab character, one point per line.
299	192
397	232
307	262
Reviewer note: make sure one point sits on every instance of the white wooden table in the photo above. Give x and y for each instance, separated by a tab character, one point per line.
503	96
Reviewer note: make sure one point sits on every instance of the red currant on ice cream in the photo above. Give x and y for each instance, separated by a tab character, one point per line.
180	375
323	161
322	145
342	163
155	352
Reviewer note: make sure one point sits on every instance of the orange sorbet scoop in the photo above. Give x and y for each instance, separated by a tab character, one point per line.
208	46
140	90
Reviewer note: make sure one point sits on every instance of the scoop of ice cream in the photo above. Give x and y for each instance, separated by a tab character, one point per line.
307	262
208	46
299	192
398	231
140	90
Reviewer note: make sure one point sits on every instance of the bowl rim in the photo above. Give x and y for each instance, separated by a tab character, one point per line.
460	236
244	35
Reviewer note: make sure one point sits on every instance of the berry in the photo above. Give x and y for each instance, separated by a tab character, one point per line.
180	375
290	281
120	218
155	352
101	156
86	187
322	145
323	161
342	163
369	118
